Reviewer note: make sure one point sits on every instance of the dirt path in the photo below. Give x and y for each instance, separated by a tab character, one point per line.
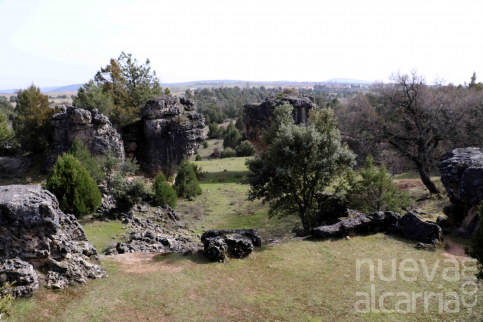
141	263
453	249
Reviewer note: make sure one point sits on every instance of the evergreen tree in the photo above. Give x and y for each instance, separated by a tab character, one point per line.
92	164
245	149
75	190
164	193
91	96
5	133
187	184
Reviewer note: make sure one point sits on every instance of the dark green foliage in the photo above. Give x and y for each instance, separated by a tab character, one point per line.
372	189
232	139
300	161
92	164
128	193
477	245
5	133
228	153
13	98
198	157
214	131
91	96
7	108
31	125
164	193
130	167
186	184
205	144
239	123
75	190
198	171
245	149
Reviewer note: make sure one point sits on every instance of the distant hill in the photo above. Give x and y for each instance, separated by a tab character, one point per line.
52	89
347	81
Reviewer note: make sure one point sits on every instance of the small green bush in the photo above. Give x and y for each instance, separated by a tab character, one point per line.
75	190
187	184
80	152
228	153
127	194
245	149
214	131
205	144
198	157
6	299
164	193
232	139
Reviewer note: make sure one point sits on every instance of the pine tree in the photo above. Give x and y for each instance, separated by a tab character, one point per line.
92	164
164	193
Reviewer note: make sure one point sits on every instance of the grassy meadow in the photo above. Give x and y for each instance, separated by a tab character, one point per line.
287	279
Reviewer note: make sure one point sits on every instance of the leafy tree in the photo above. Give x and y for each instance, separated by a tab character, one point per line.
92	164
186	184
477	245
228	153
245	149
373	189
300	161
130	85
75	190
5	133
91	96
164	193
31	124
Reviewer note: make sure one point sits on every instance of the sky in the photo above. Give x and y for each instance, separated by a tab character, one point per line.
63	42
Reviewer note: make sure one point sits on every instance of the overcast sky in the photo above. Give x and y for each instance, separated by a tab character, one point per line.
62	42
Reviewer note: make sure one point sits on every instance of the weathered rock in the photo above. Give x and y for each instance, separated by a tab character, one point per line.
12	167
363	224
413	228
35	230
157	233
21	274
92	128
258	117
169	130
238	243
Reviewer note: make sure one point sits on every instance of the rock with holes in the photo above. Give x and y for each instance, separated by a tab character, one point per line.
215	248
239	243
21	274
35	230
413	228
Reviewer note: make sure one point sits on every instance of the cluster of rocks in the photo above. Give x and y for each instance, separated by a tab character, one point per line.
462	177
93	129
258	117
237	243
161	232
170	129
408	226
36	234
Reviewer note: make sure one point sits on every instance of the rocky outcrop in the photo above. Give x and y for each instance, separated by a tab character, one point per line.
413	228
21	276
161	232
238	243
34	229
258	117
13	167
170	129
93	129
363	224
462	177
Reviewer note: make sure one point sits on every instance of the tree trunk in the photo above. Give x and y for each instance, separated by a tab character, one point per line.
427	180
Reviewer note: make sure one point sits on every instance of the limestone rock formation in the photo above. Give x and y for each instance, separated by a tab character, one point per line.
21	274
170	129
258	117
12	167
413	228
34	229
462	177
158	233
238	243
93	129
363	224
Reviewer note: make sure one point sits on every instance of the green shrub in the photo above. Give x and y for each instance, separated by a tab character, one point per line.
198	157
245	149
214	131
205	144
164	193
6	299
372	189
75	190
186	184
232	139
477	245
239	123
228	153
127	193
92	164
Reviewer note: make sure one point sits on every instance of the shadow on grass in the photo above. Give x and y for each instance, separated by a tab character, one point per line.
171	258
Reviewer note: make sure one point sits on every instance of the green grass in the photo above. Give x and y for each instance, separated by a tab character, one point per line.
101	234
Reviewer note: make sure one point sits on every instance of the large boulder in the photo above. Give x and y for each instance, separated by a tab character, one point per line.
170	130
363	224
462	177
13	167
35	230
413	228
238	243
93	129
258	117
